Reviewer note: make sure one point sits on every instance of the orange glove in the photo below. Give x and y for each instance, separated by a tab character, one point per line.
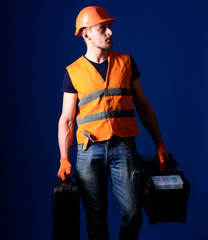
65	168
162	155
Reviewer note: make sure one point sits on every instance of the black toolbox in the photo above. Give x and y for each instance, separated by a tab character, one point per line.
165	195
66	211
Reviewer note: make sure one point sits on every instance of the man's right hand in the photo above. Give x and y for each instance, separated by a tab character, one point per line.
65	167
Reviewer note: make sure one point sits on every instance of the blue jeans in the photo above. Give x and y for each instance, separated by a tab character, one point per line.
116	158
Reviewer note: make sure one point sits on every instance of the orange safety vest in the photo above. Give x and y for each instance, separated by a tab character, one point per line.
105	108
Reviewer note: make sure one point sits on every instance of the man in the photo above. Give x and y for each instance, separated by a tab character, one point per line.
103	84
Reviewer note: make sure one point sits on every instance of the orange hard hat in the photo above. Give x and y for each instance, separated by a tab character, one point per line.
91	16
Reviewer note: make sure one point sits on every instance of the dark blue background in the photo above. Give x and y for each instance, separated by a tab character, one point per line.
169	42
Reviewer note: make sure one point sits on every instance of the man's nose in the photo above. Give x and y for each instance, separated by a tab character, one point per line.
109	32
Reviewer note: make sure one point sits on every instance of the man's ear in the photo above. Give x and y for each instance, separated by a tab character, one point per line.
86	35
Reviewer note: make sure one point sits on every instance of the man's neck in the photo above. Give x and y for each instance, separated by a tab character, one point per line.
98	56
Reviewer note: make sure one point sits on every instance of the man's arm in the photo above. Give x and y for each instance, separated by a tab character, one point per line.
149	120
66	132
66	124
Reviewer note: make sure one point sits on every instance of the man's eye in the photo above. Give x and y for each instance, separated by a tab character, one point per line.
103	28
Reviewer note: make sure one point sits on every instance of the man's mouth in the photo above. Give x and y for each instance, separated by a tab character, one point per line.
109	39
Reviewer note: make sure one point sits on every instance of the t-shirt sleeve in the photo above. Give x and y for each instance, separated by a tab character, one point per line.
67	85
135	70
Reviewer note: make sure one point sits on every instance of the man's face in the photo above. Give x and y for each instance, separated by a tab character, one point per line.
101	35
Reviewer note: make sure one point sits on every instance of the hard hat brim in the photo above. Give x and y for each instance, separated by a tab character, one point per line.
111	20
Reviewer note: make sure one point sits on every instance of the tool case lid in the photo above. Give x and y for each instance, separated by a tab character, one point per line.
167	182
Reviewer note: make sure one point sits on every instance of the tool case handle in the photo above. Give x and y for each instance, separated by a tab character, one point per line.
67	178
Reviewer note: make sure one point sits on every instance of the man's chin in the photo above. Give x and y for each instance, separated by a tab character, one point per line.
109	46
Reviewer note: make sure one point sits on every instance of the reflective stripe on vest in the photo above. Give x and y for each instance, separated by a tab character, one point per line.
106	115
104	93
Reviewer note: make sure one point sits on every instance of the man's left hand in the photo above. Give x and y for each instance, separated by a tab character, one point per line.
162	155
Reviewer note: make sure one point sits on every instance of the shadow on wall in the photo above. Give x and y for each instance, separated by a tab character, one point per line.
201	214
206	238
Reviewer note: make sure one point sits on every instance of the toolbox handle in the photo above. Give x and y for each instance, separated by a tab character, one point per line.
67	178
170	163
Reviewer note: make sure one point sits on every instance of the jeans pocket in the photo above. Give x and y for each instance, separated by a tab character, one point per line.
129	142
80	147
